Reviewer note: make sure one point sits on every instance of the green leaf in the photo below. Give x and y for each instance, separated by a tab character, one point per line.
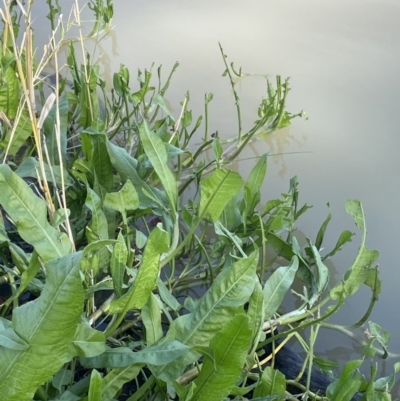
323	272
272	383
230	290
217	149
98	223
9	91
277	286
95	386
216	192
348	384
156	355
151	317
281	247
101	162
123	200
321	231
29	213
22	132
345	236
146	279
359	271
10	339
126	166
252	193
114	380
88	342
30	165
255	311
62	378
218	376
48	325
118	261
157	154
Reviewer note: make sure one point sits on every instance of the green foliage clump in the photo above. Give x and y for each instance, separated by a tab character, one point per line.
110	220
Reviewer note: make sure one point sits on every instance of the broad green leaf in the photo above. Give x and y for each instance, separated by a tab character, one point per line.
118	261
51	133
157	154
95	386
272	383
29	213
156	355
116	378
151	317
230	347
88	342
277	286
123	200
48	325
146	279
231	289
348	383
216	192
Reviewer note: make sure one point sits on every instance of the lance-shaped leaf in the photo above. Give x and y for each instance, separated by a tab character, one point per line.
230	346
277	285
216	191
118	261
146	279
160	354
151	317
348	384
30	215
231	290
48	325
359	271
95	386
252	193
113	382
157	154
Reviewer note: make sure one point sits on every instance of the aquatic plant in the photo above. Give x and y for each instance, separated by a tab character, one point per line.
101	245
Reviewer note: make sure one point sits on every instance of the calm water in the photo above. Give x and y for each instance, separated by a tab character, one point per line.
343	59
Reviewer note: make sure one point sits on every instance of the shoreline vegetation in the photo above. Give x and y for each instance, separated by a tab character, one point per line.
101	244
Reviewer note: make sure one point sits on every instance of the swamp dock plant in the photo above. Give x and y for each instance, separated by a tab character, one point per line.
101	244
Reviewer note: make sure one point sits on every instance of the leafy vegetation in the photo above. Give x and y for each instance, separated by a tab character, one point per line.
110	220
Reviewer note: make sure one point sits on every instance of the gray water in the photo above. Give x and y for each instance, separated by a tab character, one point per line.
343	59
